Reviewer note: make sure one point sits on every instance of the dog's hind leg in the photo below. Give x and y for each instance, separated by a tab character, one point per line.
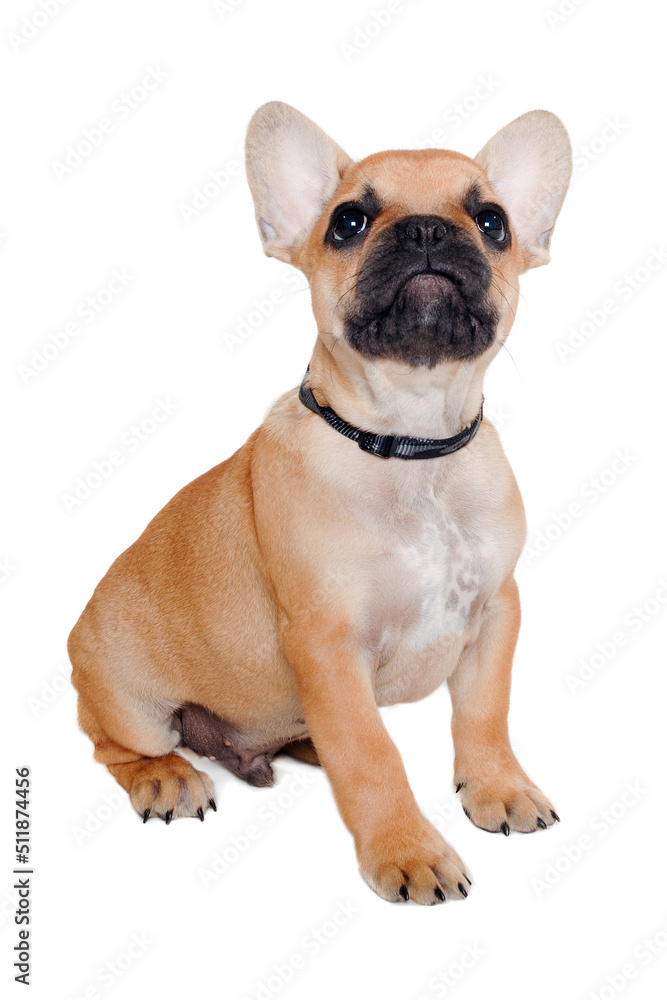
139	756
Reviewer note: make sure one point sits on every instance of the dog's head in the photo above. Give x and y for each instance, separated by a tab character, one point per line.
412	256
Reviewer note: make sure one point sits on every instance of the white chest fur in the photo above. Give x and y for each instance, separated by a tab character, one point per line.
440	573
433	580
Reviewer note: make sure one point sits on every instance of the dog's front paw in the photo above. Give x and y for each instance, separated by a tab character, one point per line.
506	802
401	863
170	787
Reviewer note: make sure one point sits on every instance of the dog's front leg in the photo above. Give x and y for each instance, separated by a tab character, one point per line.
401	855
496	793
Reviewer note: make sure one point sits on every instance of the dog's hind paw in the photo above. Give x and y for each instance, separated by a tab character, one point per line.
169	787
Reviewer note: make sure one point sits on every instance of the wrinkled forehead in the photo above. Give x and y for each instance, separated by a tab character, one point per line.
424	181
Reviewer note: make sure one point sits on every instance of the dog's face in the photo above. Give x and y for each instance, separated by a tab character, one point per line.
414	260
413	256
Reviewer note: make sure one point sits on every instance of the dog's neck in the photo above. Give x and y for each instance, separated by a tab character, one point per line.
387	397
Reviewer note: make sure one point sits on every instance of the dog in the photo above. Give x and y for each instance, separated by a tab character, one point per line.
359	549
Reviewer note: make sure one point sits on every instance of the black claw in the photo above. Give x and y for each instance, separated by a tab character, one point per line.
200	813
213	806
147	813
467	879
404	893
439	894
555	816
459	787
506	830
169	814
541	823
462	891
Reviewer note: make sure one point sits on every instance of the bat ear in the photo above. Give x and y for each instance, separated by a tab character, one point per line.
293	170
529	164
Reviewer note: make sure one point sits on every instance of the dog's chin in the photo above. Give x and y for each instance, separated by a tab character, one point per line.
428	321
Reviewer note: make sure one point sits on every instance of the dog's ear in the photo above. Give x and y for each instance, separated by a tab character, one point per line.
293	170
529	163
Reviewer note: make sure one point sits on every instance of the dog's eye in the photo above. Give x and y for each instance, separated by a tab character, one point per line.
491	224
349	223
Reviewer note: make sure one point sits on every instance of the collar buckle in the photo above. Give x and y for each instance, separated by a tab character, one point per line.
382	445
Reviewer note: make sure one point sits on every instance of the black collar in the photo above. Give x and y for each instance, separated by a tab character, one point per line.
386	446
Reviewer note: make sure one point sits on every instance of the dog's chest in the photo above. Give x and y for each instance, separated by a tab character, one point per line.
439	573
432	580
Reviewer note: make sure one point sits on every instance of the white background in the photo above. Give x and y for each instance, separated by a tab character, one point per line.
543	920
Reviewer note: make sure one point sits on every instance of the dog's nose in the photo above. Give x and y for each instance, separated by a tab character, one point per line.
421	233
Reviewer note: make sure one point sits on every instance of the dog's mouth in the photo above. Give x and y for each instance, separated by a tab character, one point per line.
427	289
425	317
428	284
432	298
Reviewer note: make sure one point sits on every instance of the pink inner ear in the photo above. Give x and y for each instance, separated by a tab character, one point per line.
528	164
302	184
517	189
529	197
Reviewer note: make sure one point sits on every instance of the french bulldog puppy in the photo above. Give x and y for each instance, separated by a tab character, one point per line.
359	549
